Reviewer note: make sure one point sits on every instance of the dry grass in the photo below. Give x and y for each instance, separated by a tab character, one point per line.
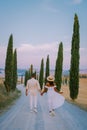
1	80
6	99
81	101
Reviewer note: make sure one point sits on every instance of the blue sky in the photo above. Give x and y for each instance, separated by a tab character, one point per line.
38	26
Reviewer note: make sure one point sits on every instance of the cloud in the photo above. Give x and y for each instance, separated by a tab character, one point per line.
32	54
36	48
28	54
51	9
47	5
77	1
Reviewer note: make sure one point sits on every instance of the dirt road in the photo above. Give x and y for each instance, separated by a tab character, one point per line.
18	117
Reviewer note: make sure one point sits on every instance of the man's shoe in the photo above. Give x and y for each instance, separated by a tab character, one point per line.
35	110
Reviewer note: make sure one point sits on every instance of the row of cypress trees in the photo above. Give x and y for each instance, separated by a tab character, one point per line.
58	69
10	67
28	74
74	64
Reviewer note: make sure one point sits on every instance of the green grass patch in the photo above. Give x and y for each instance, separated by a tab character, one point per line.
7	99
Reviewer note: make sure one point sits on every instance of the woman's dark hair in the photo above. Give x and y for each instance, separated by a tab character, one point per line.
51	83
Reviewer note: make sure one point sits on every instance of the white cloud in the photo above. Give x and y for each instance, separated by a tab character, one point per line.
77	1
28	54
51	9
47	5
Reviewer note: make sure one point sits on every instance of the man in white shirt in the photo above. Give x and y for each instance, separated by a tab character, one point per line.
33	87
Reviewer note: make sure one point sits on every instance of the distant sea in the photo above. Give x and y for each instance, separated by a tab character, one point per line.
21	72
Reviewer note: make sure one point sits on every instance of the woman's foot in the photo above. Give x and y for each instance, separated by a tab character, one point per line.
52	113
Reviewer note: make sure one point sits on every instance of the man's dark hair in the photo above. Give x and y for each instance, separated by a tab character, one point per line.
33	75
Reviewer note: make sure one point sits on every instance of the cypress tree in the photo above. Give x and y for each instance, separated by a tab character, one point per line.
74	66
35	74
47	72
26	77
29	74
14	70
31	69
41	75
9	65
58	67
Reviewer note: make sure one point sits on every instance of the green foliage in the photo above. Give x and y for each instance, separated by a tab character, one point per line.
58	67
41	75
74	67
9	65
7	99
31	70
14	70
26	77
28	74
47	72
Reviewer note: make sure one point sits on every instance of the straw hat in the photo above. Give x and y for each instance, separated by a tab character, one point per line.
50	78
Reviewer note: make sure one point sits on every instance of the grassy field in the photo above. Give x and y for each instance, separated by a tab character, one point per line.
81	101
7	99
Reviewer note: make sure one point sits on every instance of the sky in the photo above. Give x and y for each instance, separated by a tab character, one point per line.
38	27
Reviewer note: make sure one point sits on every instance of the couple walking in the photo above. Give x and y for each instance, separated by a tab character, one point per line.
55	99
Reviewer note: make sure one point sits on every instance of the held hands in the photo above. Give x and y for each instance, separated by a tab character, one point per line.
41	93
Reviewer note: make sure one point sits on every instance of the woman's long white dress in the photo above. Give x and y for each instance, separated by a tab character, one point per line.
55	99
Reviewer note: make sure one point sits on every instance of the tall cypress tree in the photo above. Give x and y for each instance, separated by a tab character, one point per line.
74	67
29	73
9	65
58	67
26	77
47	72
31	69
41	75
14	70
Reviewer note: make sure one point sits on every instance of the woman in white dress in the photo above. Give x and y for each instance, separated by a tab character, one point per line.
55	99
